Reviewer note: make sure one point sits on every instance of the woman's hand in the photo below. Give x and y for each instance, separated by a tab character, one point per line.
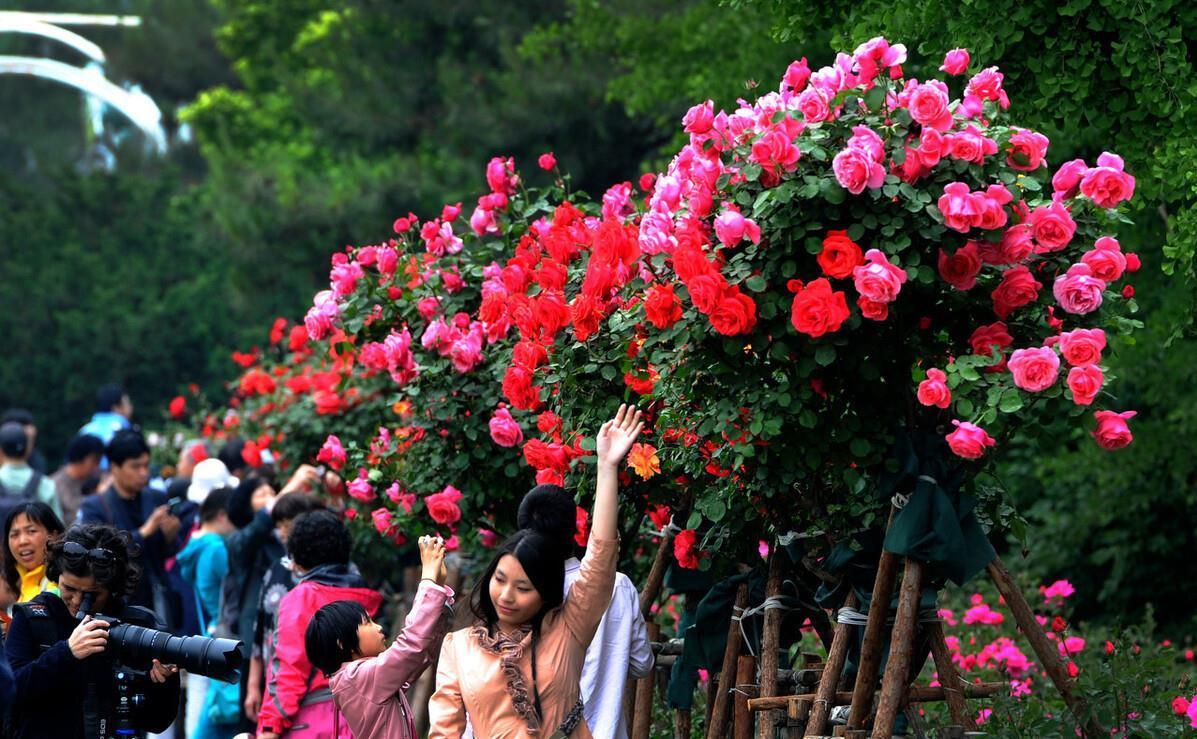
160	673
616	436
89	637
432	557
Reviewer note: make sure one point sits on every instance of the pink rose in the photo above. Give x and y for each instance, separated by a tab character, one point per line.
1017	288
1082	346
1112	432
814	105
617	201
867	140
731	227
955	62
504	430
699	119
428	307
1085	383
483	221
970	145
776	153
1106	260
934	390
361	489
987	85
960	269
449	213
1027	150
796	75
1067	179
993	211
1034	369
501	176
332	453
969	440
855	170
878	280
1107	184
959	207
1016	244
384	522
442	506
546	161
1052	226
466	351
928	106
1078	291
321	316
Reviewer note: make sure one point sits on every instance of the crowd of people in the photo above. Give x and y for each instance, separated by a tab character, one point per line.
547	646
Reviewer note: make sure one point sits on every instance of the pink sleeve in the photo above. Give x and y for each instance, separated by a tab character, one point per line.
590	595
289	670
446	709
380	678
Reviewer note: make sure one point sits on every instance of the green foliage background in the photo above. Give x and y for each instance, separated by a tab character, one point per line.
315	124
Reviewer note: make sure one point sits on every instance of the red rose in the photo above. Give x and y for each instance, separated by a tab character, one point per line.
298	339
735	314
178	406
586	317
519	390
641	385
662	306
278	330
684	549
818	310
551	313
840	255
706	291
529	354
1016	289
689	262
960	269
544	456
442	508
872	309
327	403
549	423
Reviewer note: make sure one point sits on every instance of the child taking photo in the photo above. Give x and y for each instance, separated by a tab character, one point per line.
367	678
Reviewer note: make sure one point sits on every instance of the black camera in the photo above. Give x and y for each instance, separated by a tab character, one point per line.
219	659
179	505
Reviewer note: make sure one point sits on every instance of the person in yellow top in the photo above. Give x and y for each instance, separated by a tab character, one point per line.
27	528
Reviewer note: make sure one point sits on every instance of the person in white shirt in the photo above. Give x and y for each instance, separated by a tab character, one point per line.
620	650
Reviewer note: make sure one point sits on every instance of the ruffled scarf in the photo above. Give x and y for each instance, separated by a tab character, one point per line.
509	648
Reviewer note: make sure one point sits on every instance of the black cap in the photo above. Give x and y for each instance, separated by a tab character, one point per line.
13	440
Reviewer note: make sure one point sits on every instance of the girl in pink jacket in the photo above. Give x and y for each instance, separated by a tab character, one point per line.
366	678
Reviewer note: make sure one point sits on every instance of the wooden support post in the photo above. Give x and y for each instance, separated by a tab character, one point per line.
917	694
681	723
745	674
716	726
642	716
656	575
874	635
771	640
949	678
830	678
1045	649
796	713
901	651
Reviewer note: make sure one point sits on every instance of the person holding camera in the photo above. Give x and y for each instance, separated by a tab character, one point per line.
66	684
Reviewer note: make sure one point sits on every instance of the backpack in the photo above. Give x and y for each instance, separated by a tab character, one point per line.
9	499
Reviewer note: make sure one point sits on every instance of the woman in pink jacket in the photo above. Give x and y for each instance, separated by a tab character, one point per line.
366	678
516	671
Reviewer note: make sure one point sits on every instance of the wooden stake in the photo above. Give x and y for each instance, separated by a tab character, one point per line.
901	652
796	713
917	694
870	650
681	723
745	673
1045	649
949	678
656	575
771	640
642	717
831	674
717	725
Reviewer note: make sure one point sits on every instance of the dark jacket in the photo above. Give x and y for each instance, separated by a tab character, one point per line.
252	550
52	683
108	507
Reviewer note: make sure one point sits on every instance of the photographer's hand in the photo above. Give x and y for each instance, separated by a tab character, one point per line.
160	673
305	480
154	522
89	637
432	557
170	526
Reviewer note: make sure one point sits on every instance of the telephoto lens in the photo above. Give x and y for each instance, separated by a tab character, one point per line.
219	659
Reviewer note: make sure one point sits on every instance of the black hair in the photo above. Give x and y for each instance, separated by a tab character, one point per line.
109	396
551	511
119	577
14	441
18	415
37	512
230	454
331	638
126	444
319	538
543	563
84	446
291	506
241	509
215	503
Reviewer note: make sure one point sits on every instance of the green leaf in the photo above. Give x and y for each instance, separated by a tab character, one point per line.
825	354
756	283
964	408
1011	402
608	372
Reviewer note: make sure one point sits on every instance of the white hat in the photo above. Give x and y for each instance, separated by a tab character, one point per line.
206	477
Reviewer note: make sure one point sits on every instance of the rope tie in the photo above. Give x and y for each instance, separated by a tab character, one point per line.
773	602
670	528
853	617
899	501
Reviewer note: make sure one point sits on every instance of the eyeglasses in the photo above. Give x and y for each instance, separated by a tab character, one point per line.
76	554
